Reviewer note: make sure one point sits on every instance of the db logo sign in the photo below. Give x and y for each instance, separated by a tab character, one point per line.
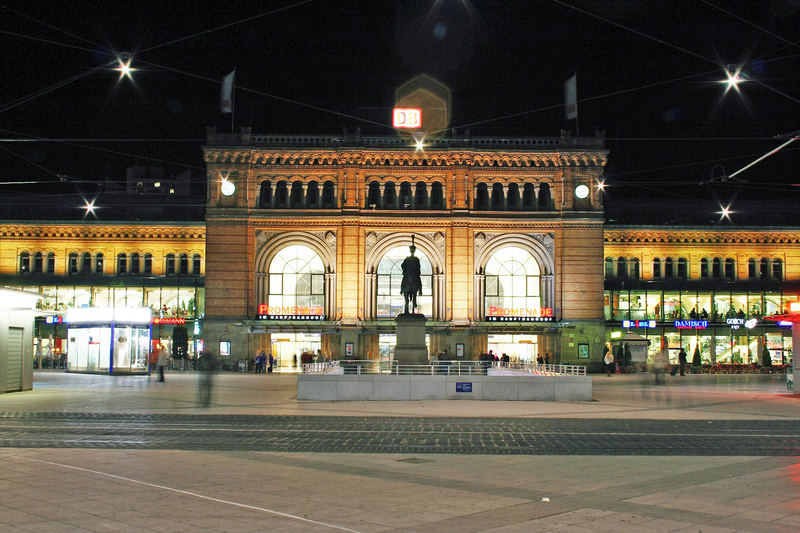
407	117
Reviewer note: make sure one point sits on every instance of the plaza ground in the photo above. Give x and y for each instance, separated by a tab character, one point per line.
123	487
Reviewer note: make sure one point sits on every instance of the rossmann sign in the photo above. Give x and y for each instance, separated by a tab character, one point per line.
519	314
274	312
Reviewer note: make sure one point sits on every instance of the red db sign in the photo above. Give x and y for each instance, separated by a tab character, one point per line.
407	117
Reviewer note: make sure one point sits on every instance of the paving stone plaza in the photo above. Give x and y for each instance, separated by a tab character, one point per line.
103	453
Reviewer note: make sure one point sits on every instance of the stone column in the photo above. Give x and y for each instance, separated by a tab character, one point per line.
547	290
480	289
330	296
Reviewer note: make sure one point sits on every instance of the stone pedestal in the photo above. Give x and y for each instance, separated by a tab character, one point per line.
410	348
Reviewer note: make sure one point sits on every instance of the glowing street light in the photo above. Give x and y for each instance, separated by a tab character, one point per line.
419	142
733	78
601	185
89	207
124	65
726	212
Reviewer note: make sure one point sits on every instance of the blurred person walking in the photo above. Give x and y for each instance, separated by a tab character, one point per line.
682	361
162	362
608	361
207	365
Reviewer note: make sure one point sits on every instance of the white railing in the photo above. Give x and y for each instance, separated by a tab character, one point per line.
458	368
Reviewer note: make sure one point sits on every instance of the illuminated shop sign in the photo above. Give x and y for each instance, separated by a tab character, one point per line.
407	117
54	319
638	323
107	315
177	321
691	324
785	323
275	312
736	323
519	314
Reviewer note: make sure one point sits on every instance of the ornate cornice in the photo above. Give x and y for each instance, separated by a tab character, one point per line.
700	237
481	239
384	158
102	231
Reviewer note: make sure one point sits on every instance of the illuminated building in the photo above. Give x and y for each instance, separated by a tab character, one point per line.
703	287
91	264
304	236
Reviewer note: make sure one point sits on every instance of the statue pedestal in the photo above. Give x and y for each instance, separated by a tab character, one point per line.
410	348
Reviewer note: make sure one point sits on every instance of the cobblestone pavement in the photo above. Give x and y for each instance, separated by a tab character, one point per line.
510	436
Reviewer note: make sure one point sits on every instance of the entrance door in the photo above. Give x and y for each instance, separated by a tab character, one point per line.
14	365
288	347
522	348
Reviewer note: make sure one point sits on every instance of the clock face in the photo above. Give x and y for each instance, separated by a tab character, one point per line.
581	191
227	188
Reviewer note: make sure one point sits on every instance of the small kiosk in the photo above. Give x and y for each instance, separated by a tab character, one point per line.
108	340
638	348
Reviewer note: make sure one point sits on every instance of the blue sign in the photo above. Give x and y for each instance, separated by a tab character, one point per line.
687	324
463	386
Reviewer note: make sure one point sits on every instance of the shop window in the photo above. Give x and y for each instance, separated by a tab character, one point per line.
512	283
777	269
751	269
437	197
148	264
73	263
86	263
609	268
764	271
98	264
196	264
169	265
668	273
704	268
683	270
389	301
265	195
37	262
24	263
135	263
51	263
656	268
634	268
716	268
122	264
296	282
730	269
184	264
622	268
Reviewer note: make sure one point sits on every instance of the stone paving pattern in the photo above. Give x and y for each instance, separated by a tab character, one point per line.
137	486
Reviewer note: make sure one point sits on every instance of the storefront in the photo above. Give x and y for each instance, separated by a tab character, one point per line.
108	340
724	326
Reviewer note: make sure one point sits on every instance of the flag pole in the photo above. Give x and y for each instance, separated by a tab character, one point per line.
233	98
577	124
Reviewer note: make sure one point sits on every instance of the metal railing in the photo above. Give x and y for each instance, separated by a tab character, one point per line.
459	368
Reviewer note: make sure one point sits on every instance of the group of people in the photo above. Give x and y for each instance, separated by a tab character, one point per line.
261	363
543	360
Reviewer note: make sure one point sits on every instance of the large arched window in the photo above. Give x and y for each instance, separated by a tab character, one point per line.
296	282
390	302
24	263
513	285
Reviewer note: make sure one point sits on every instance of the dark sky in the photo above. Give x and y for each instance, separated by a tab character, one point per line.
648	74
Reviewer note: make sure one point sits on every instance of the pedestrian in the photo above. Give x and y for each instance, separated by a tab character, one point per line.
660	361
161	362
207	364
682	361
608	362
539	359
547	358
271	363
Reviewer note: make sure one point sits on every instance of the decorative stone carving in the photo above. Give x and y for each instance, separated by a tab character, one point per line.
330	239
480	240
370	240
439	241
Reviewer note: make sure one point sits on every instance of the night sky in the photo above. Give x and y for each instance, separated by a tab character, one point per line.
648	75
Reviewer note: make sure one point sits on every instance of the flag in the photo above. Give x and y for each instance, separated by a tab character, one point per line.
226	94
571	97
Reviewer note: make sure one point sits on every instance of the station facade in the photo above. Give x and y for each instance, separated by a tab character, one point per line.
305	236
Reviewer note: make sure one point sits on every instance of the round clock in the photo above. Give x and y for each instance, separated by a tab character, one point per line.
581	191
227	188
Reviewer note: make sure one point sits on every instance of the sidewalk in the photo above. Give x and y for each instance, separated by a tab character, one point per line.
619	396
